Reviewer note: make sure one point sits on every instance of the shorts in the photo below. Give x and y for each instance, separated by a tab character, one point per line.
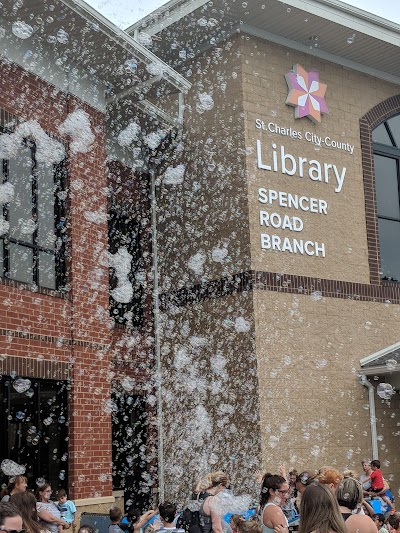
376	489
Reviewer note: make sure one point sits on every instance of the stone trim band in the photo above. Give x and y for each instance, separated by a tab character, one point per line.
59	341
35	368
272	281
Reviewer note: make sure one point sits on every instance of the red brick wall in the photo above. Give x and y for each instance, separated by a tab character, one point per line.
77	326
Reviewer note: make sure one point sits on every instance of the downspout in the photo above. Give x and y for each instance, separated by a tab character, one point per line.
372	414
155	161
157	343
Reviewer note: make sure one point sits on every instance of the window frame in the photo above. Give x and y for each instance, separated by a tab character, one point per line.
390	152
60	178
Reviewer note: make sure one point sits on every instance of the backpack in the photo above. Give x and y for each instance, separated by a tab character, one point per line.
189	520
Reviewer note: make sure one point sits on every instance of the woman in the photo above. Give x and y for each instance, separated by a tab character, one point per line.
210	518
16	484
25	502
274	492
330	477
47	510
366	466
289	508
319	511
349	495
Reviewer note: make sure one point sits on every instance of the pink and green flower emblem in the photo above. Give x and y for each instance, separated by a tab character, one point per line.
306	93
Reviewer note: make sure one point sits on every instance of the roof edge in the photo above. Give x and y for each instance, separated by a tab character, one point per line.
123	39
334	6
379	354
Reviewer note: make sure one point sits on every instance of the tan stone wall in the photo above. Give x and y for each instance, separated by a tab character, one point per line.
209	210
350	94
313	410
210	394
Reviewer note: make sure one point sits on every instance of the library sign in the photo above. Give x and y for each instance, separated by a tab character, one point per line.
306	94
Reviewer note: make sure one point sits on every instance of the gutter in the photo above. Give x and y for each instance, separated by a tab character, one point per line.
372	413
127	42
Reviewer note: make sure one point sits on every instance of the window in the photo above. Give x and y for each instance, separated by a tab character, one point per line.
386	145
32	251
34	433
129	448
124	232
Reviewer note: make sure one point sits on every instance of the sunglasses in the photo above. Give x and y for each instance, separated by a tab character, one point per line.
12	530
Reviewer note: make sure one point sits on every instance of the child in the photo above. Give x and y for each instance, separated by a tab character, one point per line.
251	526
377	482
66	507
167	512
394	522
115	517
379	520
235	521
137	521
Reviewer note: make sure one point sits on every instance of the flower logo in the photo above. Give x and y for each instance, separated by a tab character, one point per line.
306	93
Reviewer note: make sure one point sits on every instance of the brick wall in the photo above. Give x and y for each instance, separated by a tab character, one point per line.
72	328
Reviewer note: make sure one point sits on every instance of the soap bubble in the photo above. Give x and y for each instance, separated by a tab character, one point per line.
21	385
174	175
11	468
62	36
145	39
22	30
205	103
242	325
316	295
130	65
128	384
391	364
385	391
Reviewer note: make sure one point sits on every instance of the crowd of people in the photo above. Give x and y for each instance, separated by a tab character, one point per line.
40	513
326	501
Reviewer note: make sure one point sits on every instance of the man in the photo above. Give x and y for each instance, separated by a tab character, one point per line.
10	519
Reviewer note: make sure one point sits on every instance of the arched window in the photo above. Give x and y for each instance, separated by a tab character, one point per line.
386	148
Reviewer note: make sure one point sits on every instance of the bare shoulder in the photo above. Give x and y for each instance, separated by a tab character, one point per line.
360	523
273	516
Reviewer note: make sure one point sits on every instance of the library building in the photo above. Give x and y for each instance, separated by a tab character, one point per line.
199	245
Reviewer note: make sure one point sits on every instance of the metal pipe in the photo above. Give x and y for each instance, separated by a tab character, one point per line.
372	414
156	318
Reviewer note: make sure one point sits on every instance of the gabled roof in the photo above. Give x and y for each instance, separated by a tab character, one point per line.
382	362
329	29
88	57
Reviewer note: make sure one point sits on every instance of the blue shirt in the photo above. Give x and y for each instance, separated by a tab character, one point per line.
67	511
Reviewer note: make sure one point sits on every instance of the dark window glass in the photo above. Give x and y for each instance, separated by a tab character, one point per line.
32	251
387	187
394	127
124	232
380	135
34	429
129	448
389	238
387	180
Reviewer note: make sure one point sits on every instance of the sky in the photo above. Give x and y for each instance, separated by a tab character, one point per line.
123	13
